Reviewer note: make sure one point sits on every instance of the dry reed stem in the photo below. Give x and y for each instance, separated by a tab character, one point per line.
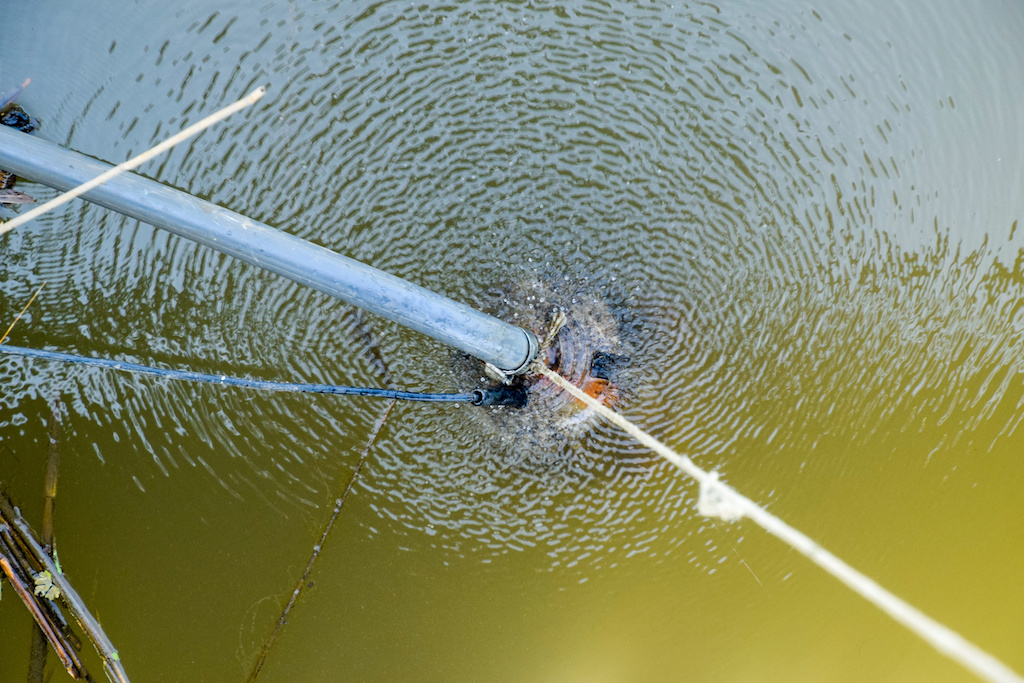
111	658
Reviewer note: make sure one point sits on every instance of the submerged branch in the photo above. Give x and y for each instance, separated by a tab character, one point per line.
338	505
37	653
42	610
52	465
11	517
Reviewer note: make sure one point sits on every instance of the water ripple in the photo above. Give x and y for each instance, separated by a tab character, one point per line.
745	188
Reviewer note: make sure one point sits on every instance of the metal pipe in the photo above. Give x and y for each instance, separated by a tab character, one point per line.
505	346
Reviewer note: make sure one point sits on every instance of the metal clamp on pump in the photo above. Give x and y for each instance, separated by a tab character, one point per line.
506	376
532	349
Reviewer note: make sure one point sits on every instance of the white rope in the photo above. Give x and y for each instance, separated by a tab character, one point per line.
720	500
134	162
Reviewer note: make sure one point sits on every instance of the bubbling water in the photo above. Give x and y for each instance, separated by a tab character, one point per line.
588	330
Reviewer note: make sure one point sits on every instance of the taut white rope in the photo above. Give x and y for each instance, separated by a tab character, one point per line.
720	500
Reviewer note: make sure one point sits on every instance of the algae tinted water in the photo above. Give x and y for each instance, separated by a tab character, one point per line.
804	218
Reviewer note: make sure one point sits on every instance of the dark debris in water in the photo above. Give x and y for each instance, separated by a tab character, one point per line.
14	197
14	116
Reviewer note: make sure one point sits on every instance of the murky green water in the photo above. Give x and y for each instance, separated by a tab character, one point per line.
804	218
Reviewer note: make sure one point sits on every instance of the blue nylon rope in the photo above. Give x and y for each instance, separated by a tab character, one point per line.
264	385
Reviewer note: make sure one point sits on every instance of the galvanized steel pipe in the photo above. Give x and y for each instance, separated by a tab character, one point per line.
506	346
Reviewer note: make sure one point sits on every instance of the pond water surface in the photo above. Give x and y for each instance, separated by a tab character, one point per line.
800	218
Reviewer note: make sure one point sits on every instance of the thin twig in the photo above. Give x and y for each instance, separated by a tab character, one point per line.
189	132
22	313
16	549
7	98
37	655
318	547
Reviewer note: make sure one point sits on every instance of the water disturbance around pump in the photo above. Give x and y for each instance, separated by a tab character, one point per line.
578	356
760	170
580	338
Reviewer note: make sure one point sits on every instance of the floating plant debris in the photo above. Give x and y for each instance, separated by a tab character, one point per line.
14	116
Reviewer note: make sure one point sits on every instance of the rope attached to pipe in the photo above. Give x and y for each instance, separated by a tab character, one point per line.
479	397
717	499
